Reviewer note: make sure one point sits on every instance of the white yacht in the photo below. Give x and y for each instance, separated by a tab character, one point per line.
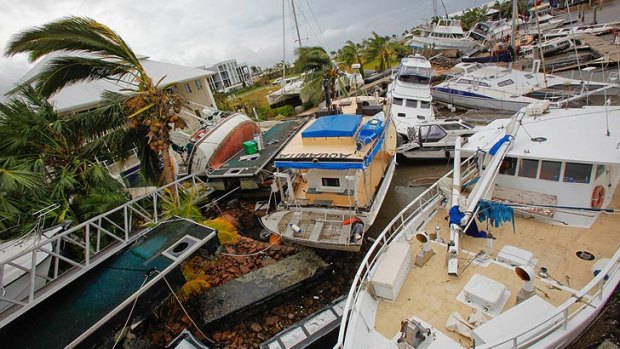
539	185
542	18
489	86
446	34
410	95
332	178
288	93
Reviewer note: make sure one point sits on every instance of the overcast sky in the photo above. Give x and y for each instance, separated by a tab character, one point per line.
195	33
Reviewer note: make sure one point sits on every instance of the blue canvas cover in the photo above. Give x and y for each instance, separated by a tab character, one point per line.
340	125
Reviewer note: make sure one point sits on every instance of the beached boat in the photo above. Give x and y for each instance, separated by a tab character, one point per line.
593	29
288	94
543	18
479	86
548	47
331	179
539	184
410	96
446	34
435	139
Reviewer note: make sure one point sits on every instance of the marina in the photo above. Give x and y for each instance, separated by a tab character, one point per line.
451	187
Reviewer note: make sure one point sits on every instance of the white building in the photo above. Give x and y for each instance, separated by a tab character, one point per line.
229	76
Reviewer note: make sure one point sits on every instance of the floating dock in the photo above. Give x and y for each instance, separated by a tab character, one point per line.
90	309
250	171
233	300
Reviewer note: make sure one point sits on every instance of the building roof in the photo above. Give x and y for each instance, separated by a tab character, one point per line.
574	135
85	94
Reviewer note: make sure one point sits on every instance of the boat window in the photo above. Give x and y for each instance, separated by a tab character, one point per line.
425	105
577	173
431	133
330	182
483	84
508	166
529	76
505	83
600	169
397	101
411	103
453	126
550	170
464	81
414	74
528	168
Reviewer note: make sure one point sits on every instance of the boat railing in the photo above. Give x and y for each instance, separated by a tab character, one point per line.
592	297
90	243
397	226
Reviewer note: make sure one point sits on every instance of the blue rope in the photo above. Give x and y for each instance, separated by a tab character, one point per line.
496	212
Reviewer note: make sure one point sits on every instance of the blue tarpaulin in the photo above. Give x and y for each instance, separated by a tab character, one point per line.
499	143
333	126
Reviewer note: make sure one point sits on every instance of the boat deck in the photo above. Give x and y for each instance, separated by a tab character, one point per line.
78	307
242	166
555	247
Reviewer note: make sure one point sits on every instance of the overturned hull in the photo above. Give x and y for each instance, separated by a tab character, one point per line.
215	145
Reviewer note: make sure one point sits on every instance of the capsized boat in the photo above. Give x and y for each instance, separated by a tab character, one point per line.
512	249
489	86
331	179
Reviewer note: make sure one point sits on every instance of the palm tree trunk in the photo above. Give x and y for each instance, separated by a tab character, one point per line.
168	171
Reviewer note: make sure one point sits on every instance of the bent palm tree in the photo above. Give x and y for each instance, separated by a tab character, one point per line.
351	54
378	47
316	64
88	51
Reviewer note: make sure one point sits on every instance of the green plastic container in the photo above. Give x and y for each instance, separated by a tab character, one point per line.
250	147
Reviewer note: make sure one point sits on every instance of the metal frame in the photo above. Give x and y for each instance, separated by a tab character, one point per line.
95	240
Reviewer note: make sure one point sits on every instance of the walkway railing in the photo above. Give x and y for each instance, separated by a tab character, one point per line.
90	243
403	220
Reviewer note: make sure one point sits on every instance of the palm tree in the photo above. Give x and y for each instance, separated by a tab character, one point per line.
318	66
378	47
97	52
56	154
351	53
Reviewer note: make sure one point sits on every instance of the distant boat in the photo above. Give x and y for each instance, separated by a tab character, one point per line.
446	34
548	47
332	178
593	29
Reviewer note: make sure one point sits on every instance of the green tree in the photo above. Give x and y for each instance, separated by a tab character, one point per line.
378	47
318	66
351	53
88	50
49	159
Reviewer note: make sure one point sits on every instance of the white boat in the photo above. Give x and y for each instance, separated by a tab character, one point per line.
410	95
435	139
332	178
489	86
547	47
16	278
544	275
543	18
492	30
446	34
287	94
593	29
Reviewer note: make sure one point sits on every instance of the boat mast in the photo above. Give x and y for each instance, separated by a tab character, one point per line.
296	26
514	25
283	43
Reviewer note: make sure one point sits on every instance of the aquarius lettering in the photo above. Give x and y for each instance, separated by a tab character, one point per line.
315	155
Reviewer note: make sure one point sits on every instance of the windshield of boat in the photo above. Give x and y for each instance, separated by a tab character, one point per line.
414	74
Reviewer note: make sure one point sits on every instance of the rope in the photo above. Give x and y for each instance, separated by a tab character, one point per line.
120	336
185	311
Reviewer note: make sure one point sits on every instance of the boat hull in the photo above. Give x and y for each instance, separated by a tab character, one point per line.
474	101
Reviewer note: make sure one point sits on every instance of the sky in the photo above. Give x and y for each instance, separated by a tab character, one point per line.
196	33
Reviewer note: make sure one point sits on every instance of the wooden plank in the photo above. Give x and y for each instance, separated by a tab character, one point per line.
316	231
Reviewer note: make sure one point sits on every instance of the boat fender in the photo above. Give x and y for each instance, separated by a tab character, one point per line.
296	228
598	196
352	220
356	231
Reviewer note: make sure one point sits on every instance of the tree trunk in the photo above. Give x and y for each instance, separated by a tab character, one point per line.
168	171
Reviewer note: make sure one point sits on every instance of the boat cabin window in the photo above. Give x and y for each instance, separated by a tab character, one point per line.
550	170
411	103
577	173
414	74
529	76
465	81
528	168
330	182
397	101
454	126
431	133
600	169
425	105
508	166
505	83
